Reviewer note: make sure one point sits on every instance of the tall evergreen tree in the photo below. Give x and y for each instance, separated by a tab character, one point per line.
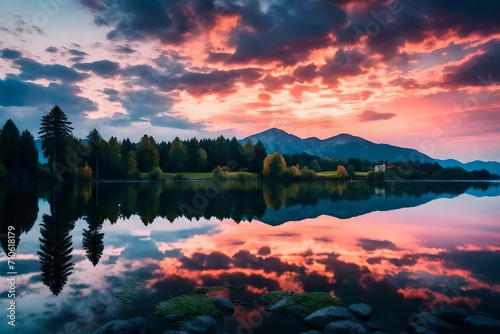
147	154
28	154
96	143
54	130
10	146
178	154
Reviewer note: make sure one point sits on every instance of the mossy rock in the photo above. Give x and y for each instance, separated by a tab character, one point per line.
309	301
206	289
189	307
129	287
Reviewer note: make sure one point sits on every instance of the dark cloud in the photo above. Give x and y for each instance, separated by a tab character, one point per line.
32	70
10	54
284	32
77	53
52	49
371	245
480	70
15	92
148	106
371	115
218	82
263	251
389	25
170	21
305	73
212	261
244	259
343	64
281	32
103	68
124	49
479	263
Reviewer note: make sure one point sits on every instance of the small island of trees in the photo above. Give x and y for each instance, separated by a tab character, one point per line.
93	158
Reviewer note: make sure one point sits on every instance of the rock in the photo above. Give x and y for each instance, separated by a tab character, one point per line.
362	311
172	317
131	326
373	327
482	324
297	311
345	327
263	300
174	332
201	325
414	328
453	315
312	332
223	304
432	323
280	305
324	316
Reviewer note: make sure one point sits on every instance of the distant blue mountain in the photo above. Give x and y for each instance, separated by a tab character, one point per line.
345	146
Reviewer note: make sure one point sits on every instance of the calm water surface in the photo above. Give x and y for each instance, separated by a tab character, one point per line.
401	247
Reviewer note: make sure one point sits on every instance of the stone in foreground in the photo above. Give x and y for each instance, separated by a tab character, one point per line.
432	323
324	316
223	304
345	327
482	324
362	311
131	326
201	325
453	315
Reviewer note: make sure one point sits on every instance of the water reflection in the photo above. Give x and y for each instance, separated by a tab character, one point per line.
89	237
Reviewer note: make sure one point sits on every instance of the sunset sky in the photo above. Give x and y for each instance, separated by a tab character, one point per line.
422	74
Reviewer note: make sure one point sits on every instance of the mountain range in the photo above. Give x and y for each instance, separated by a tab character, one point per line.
345	146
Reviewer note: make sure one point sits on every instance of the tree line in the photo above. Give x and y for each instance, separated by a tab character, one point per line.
71	158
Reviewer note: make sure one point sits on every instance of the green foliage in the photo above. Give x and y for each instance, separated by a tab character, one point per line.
375	176
133	172
178	154
3	172
202	290
315	166
310	301
84	174
351	171
147	154
188	307
249	151
307	174
129	288
10	138
222	154
274	166
54	130
156	174
219	173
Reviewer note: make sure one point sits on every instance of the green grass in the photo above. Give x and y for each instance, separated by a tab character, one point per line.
310	301
188	307
208	176
129	289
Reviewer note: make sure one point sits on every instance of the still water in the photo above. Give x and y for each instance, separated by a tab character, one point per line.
400	247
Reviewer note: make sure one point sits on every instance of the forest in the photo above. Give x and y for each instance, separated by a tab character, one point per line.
95	158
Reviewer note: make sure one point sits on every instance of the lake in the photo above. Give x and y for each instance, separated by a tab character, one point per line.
89	254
